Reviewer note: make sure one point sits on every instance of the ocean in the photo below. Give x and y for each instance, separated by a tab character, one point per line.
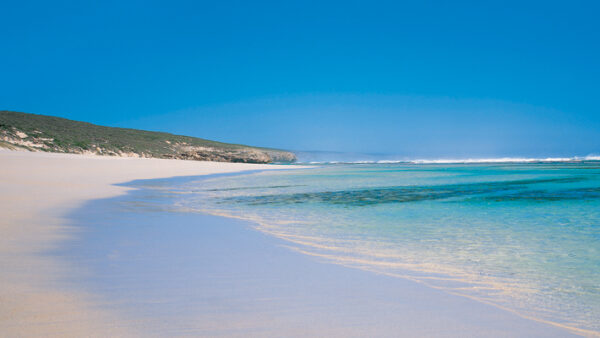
524	237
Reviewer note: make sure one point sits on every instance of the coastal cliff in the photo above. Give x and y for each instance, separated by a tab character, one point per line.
53	134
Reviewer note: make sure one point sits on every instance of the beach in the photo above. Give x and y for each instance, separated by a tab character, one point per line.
75	263
300	169
38	189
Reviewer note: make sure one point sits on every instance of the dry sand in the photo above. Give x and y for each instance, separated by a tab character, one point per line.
36	190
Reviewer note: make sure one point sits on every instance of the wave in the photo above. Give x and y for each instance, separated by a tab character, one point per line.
469	160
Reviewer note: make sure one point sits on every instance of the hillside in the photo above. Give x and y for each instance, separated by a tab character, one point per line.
54	134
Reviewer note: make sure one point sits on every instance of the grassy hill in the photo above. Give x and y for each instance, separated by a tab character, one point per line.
54	134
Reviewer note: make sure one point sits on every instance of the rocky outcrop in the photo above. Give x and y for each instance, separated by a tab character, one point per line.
239	155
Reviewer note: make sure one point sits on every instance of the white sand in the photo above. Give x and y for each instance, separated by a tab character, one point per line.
36	190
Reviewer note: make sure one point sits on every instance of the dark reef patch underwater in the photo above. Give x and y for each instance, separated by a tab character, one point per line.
499	191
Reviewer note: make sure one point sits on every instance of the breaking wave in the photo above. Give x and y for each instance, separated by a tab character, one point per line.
467	160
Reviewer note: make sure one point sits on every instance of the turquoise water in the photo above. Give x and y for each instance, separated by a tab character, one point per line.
525	237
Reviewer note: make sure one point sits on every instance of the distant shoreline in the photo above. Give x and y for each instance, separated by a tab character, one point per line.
58	135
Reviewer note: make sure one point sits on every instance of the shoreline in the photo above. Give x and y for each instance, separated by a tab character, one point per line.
234	280
295	246
37	302
292	245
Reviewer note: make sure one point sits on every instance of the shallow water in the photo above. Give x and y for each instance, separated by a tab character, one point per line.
525	237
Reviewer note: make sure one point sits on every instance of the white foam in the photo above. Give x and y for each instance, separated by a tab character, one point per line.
472	160
510	160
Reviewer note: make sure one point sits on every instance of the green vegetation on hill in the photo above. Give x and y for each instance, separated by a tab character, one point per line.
54	134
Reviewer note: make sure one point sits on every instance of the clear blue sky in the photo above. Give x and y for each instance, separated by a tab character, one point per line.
421	78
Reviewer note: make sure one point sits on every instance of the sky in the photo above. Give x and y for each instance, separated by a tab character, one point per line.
415	78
